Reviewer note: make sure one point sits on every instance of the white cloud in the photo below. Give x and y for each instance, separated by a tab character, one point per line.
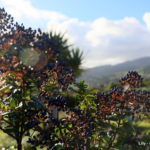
23	8
146	18
23	11
106	41
103	41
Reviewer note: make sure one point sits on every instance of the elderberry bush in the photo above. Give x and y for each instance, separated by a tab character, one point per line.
32	76
101	118
35	87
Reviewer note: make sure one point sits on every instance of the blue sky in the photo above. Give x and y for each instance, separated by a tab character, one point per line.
88	10
107	31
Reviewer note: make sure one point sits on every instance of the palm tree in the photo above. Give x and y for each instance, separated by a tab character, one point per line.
75	58
72	56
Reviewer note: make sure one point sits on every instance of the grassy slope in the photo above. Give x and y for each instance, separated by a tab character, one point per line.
5	140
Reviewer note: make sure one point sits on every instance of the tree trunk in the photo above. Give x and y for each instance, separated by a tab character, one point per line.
19	144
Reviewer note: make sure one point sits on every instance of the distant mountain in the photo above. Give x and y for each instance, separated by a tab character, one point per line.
110	73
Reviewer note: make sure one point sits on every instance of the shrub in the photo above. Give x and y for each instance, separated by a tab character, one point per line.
35	85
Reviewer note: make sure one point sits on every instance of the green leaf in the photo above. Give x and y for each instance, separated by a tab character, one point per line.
28	98
83	106
13	103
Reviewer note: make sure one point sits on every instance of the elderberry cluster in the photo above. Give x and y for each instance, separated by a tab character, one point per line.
133	79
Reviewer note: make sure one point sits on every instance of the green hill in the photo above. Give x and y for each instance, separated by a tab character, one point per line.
102	75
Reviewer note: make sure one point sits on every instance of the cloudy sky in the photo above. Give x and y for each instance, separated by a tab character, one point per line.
107	31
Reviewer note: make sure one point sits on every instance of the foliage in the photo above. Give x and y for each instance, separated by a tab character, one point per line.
32	74
72	56
35	84
101	120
